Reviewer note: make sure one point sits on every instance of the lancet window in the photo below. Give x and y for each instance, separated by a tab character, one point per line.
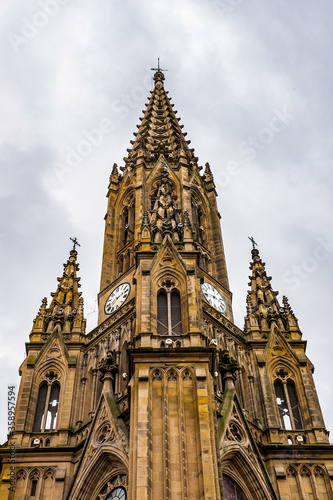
47	404
34	485
33	489
287	402
169	319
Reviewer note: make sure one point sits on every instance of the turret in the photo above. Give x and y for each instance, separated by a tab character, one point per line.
66	309
263	307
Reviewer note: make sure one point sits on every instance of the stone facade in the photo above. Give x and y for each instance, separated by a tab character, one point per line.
166	398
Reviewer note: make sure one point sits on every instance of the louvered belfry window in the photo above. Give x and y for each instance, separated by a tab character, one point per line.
288	406
169	320
47	405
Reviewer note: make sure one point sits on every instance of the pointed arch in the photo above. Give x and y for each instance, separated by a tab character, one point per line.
156	374
170	305
187	373
49	366
288	404
293	481
232	490
34	484
48	482
47	397
47	407
21	483
90	481
322	482
237	464
169	317
168	277
307	480
155	178
288	392
172	374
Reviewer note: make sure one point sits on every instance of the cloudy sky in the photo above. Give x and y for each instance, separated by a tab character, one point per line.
252	82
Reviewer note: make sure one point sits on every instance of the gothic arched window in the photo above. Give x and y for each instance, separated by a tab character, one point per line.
287	402
169	319
34	484
47	405
33	488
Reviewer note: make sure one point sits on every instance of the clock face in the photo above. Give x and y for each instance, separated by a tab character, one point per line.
214	297
117	298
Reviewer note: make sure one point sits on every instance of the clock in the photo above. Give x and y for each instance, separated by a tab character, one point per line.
117	298
213	296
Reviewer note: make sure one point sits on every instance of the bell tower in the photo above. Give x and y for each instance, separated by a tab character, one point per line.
163	250
161	192
166	398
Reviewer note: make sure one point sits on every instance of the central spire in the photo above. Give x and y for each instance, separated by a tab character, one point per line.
160	130
161	193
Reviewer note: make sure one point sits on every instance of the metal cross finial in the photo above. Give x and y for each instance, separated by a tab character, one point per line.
158	66
75	242
254	244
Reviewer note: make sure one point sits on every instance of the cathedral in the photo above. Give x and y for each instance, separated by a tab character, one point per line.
166	399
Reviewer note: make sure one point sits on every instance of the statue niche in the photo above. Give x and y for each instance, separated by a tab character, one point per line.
165	215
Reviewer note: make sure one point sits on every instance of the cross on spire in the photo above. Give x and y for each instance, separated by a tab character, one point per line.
254	244
75	242
159	69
